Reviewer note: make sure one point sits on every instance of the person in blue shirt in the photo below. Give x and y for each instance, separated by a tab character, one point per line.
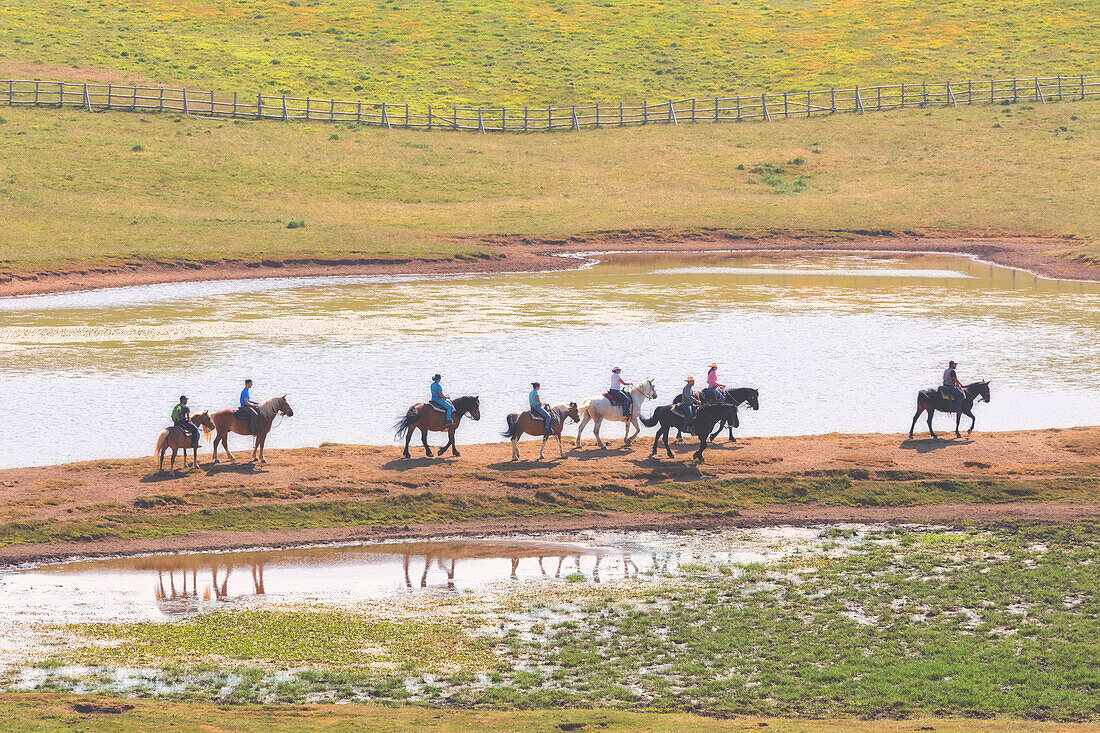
688	402
248	407
438	398
537	407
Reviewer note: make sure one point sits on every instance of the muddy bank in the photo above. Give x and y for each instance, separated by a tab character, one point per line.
1049	257
340	493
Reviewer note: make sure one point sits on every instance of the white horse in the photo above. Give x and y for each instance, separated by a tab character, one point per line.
598	409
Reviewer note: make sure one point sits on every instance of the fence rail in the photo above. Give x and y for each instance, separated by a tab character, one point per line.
767	107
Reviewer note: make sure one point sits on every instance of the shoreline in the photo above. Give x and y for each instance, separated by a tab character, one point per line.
353	493
1047	257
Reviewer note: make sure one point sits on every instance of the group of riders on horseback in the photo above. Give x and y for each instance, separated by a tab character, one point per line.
696	413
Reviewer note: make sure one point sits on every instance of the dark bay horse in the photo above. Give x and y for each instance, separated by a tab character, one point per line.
226	422
735	396
930	400
177	439
525	422
427	418
706	417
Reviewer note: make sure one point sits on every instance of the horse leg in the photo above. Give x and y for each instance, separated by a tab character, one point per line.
545	437
920	409
718	429
702	446
666	431
160	467
656	438
451	442
973	420
958	420
596	421
931	411
580	428
561	451
424	440
261	439
172	467
515	446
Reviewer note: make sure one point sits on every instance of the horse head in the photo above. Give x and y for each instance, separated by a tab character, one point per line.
983	389
753	398
573	413
203	420
284	407
647	389
469	406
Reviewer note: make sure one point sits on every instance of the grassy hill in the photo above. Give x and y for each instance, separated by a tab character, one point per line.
539	51
116	185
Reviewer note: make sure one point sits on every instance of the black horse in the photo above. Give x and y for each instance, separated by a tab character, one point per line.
931	400
428	418
735	396
706	417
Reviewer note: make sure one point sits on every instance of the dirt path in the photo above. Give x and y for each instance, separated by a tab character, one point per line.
128	489
1049	257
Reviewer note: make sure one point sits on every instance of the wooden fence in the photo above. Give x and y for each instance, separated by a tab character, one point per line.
767	107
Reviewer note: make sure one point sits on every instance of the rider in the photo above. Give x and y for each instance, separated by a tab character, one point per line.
688	401
713	385
537	407
953	386
180	418
618	394
438	398
248	407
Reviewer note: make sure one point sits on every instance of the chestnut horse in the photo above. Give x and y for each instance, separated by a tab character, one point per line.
427	418
226	422
525	422
177	439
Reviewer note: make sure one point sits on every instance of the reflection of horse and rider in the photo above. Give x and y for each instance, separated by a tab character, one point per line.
702	414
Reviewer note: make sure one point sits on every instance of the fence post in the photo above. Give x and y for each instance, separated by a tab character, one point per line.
259	105
859	102
110	89
645	112
285	117
160	100
480	123
61	94
671	114
1082	86
386	117
454	119
1015	91
525	118
87	99
1039	93
621	113
359	113
738	107
1059	87
211	101
878	106
576	124
307	109
716	109
429	115
11	88
184	99
234	105
807	104
503	118
332	110
764	104
549	118
992	95
693	109
597	115
785	115
969	91
950	96
924	94
832	100
36	94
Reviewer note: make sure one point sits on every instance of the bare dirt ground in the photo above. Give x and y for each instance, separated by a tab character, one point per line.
1049	257
99	488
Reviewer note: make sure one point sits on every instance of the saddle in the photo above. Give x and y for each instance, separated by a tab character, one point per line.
616	402
944	394
240	413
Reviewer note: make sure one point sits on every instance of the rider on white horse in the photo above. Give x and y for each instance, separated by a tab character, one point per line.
617	394
598	409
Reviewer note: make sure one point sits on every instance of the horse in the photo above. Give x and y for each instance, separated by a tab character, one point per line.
706	417
598	409
429	418
226	422
735	396
525	422
931	400
177	438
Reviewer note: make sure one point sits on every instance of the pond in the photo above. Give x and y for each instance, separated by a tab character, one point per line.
834	342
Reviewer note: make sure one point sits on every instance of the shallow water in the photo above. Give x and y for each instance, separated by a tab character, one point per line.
835	343
162	587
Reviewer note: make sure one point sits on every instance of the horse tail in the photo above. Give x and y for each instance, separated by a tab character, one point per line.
651	421
511	431
162	442
403	425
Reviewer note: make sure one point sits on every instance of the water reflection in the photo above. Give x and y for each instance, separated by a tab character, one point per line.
807	330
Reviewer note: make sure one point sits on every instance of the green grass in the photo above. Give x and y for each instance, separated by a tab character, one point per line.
25	713
78	193
711	497
561	51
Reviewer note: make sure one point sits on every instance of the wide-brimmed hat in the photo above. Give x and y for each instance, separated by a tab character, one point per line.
690	379
713	365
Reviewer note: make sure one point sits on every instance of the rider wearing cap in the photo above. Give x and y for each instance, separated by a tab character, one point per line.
181	414
688	401
537	407
953	386
438	398
618	394
713	385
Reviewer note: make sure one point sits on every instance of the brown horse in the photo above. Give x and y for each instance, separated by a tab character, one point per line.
427	418
525	422
226	422
177	439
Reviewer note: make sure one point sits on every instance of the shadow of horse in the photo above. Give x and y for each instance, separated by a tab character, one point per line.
248	468
526	465
407	464
927	445
157	477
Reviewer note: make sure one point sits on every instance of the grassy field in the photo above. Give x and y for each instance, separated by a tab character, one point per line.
90	187
23	713
560	51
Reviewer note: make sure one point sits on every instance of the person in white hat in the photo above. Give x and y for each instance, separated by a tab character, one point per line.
688	402
713	385
618	394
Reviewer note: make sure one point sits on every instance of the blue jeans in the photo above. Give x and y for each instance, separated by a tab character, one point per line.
620	397
689	410
959	396
447	407
541	412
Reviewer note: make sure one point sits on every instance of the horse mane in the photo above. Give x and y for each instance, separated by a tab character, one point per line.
464	403
269	407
